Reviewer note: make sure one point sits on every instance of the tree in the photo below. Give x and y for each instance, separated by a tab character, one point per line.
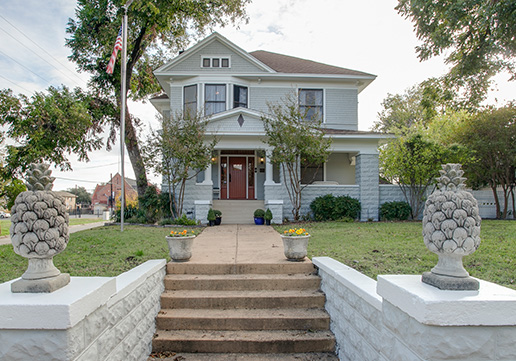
412	161
11	191
490	136
83	196
476	35
49	126
154	28
295	144
179	151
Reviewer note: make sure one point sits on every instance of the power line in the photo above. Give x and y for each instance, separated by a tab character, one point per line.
46	52
76	180
39	56
10	81
17	62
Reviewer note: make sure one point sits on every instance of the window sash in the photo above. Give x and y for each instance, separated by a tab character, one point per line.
214	98
311	103
190	99
240	96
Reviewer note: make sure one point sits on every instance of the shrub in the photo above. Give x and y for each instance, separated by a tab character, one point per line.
130	212
395	211
211	215
259	213
217	213
181	221
331	208
268	214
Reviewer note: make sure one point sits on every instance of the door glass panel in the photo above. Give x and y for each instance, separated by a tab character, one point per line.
238	166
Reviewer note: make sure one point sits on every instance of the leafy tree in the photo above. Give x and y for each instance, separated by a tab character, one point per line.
83	196
154	27
412	161
11	190
295	144
179	151
490	137
49	126
476	35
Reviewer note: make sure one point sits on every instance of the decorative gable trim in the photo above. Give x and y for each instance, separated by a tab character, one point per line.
203	43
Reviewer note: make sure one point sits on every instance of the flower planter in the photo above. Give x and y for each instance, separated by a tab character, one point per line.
259	221
218	220
180	248
267	222
295	247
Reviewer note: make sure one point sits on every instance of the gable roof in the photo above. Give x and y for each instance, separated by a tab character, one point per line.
292	65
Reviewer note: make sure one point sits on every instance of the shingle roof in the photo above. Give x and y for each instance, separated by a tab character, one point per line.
290	64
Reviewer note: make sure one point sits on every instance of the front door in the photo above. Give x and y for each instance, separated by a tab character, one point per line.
237	177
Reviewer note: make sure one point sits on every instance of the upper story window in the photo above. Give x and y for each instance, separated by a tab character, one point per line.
214	98
190	100
239	96
215	62
311	103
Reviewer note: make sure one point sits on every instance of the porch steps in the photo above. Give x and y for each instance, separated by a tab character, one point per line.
237	211
257	310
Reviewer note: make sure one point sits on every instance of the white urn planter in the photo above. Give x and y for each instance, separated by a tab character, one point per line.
295	247
180	248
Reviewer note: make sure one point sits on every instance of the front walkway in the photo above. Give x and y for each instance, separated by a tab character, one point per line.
238	244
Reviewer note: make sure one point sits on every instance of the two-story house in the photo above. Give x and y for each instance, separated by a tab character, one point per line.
232	87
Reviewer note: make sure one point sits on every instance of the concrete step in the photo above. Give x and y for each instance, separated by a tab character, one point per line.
237	211
240	268
173	356
242	282
243	319
289	341
237	299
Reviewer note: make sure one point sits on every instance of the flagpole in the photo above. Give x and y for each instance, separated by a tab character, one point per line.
122	111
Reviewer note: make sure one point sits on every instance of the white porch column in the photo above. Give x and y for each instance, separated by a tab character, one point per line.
207	175
268	171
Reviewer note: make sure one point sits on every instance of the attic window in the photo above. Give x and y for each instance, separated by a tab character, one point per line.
216	62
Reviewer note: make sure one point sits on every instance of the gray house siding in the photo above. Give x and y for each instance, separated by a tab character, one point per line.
259	96
341	111
238	64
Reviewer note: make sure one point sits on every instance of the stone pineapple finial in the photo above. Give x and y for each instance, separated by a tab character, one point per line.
38	178
451	229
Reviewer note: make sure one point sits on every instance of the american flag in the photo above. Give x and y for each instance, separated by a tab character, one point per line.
118	46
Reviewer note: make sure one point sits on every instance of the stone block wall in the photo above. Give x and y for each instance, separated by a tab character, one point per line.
400	318
366	176
93	318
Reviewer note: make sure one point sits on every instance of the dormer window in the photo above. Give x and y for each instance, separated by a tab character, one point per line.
215	62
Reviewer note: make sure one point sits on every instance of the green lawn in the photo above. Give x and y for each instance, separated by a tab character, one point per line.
372	248
103	251
6	223
398	248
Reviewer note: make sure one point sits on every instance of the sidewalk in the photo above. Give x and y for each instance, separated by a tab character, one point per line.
242	244
80	227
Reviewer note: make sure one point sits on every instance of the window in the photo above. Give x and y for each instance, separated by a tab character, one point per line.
239	96
311	103
311	172
190	100
215	99
215	62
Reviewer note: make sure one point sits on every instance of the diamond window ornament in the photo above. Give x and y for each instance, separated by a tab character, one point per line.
240	120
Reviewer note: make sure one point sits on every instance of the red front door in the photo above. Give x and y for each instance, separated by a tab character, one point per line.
237	177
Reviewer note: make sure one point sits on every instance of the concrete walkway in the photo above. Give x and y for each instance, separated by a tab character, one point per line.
80	227
238	244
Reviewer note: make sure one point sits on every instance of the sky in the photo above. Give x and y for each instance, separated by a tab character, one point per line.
366	35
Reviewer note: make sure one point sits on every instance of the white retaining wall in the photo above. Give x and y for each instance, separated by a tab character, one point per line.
400	318
92	318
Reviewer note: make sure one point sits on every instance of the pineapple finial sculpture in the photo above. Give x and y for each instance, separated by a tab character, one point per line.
39	231
451	229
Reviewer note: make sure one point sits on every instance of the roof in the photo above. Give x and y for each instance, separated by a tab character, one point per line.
290	64
65	194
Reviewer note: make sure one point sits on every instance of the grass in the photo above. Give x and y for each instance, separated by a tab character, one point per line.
103	251
398	248
371	248
6	223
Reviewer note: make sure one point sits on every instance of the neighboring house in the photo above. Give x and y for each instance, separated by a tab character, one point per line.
100	198
69	200
231	86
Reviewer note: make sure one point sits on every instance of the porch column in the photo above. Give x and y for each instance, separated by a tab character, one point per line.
268	171
207	175
366	176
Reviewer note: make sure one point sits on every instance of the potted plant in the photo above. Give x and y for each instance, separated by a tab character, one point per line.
295	243
218	217
180	245
211	217
268	217
259	215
